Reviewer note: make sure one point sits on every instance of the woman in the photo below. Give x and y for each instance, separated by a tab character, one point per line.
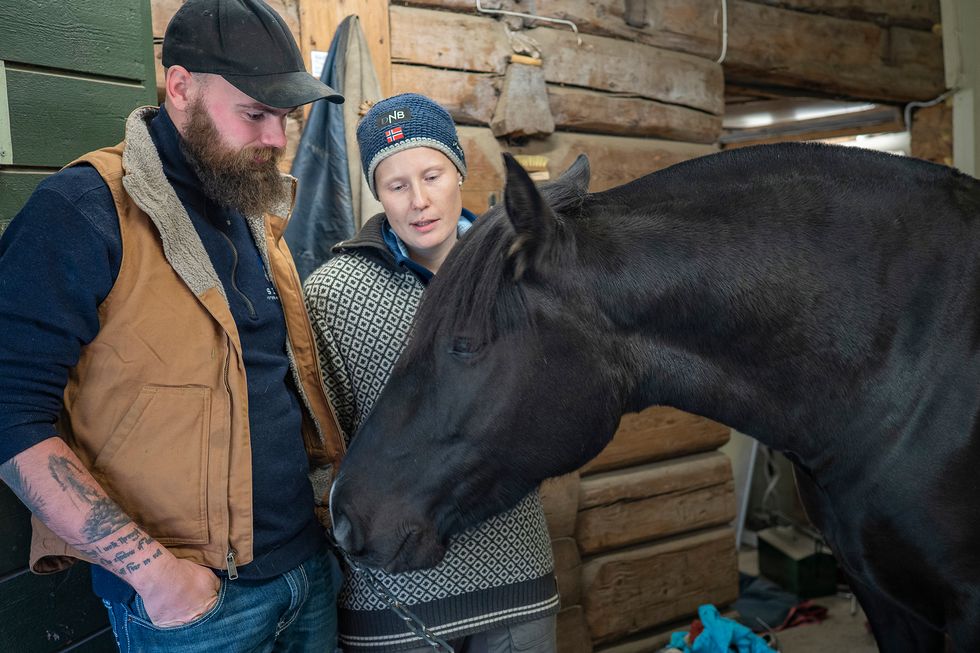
495	589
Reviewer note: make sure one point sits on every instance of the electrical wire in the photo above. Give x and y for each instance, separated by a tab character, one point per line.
724	31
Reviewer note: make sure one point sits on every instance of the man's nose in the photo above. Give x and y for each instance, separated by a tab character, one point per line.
274	133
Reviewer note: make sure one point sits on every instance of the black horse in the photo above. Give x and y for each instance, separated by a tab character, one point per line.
824	300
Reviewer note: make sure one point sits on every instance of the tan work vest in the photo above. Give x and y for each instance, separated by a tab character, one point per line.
157	406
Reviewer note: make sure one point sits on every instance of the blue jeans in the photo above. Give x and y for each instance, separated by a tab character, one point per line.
292	613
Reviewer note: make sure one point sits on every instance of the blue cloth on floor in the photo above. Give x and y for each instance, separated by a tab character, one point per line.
720	635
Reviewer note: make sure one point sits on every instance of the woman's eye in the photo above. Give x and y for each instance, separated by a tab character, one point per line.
253	116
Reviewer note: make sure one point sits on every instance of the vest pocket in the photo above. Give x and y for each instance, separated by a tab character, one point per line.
155	463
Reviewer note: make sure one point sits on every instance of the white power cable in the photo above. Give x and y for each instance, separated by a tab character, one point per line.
922	105
504	12
724	31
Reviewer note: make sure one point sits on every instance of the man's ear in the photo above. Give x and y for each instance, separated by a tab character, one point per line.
179	87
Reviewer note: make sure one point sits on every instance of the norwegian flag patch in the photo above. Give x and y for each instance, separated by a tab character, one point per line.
394	134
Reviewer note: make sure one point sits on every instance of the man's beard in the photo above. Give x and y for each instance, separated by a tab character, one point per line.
231	177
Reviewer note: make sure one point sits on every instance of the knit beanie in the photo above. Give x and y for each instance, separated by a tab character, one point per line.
402	122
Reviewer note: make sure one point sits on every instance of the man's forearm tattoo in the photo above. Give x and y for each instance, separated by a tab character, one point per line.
126	553
104	516
11	475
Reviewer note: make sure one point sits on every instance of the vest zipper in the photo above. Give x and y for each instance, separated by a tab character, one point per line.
234	282
230	556
232	568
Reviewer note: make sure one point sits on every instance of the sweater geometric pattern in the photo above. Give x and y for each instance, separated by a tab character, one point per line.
496	573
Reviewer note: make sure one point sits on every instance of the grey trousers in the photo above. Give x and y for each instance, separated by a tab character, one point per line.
536	636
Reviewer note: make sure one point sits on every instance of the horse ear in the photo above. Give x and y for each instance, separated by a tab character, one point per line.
529	214
578	174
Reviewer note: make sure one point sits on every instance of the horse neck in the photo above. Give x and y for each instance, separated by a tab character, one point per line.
713	301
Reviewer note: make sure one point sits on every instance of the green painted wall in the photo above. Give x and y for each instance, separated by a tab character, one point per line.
70	73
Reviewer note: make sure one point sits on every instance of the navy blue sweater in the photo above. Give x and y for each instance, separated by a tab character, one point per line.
59	258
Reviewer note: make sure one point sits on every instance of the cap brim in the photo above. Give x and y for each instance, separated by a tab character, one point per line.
284	90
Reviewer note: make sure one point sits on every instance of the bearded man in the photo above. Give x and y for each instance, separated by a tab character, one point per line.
160	397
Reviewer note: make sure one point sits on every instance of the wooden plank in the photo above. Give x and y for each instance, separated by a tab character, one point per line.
603	113
15	187
614	160
691	26
778	47
485	168
471	43
468	97
57	139
78	36
49	613
572	631
633	590
640	504
481	45
920	14
932	133
560	498
319	19
568	570
657	433
624	67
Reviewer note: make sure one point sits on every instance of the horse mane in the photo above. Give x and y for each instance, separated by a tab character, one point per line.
489	302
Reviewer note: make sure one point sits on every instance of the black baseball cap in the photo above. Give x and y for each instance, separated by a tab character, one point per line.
247	43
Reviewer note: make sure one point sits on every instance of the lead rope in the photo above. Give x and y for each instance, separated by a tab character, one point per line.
412	622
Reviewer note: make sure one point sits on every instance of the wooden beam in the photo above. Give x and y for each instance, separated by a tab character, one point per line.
560	498
639	504
919	14
691	26
637	589
469	97
573	633
568	570
479	44
484	167
655	434
775	46
604	113
932	133
614	160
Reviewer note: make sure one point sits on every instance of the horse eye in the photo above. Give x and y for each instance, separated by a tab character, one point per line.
464	347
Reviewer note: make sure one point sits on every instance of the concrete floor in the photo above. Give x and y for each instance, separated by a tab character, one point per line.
839	633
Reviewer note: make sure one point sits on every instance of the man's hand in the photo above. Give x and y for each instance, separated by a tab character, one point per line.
52	482
178	592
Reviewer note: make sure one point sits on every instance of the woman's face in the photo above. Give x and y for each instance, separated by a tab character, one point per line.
420	191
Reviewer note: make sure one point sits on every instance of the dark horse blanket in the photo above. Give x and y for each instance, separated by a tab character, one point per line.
824	300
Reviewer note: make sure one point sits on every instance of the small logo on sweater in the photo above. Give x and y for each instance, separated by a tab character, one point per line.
393	116
395	134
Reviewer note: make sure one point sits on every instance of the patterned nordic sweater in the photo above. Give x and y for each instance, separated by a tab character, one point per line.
501	572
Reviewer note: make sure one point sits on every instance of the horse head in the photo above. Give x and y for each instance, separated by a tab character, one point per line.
507	379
